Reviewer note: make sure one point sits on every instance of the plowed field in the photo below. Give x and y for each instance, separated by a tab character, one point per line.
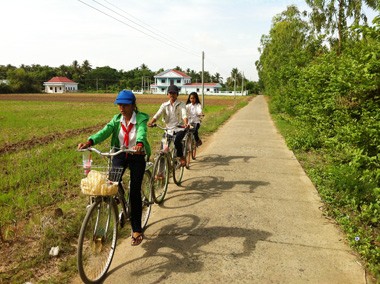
108	98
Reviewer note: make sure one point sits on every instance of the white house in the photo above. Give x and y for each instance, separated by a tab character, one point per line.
183	81
60	85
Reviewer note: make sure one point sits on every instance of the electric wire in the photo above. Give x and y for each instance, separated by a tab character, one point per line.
150	30
167	37
139	30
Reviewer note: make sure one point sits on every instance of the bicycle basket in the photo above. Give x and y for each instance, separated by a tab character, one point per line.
101	182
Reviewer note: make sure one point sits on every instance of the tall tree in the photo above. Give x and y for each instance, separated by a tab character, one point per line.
234	79
86	67
284	51
178	68
64	71
217	78
103	78
332	16
22	81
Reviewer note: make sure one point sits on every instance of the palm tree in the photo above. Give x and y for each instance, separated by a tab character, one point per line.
143	67
218	78
75	65
86	67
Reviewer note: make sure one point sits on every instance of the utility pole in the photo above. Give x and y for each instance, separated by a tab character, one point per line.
242	84
235	87
145	84
203	83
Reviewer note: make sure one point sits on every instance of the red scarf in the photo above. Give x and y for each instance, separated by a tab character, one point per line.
126	133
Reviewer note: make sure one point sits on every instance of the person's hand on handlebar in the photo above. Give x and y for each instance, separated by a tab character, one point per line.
151	123
138	148
186	123
84	145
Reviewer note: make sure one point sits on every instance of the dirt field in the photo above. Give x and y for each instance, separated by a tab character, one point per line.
108	98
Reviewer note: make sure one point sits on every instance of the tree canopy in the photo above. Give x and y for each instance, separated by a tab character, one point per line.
30	79
322	73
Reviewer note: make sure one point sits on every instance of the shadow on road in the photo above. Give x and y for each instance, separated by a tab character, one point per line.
211	161
198	189
180	243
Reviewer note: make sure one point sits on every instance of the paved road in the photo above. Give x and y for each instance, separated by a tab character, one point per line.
245	213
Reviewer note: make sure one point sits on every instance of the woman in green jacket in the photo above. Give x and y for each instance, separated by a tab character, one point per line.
128	128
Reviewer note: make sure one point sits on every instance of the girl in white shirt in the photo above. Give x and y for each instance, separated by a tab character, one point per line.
194	114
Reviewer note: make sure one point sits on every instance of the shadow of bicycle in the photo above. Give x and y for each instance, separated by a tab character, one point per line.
185	244
211	161
197	189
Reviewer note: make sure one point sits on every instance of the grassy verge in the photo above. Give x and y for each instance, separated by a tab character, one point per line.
334	181
40	198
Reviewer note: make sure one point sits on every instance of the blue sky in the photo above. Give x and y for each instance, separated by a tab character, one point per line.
172	33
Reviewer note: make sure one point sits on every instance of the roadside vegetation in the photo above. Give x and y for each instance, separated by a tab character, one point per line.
40	201
322	76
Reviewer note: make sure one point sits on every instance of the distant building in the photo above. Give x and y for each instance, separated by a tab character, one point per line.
60	85
183	81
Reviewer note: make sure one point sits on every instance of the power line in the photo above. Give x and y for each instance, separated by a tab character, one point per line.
167	37
139	30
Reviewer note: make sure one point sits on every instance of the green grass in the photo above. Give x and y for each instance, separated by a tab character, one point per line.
334	182
20	121
36	181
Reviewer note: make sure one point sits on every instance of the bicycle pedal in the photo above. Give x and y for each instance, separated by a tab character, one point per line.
122	219
117	200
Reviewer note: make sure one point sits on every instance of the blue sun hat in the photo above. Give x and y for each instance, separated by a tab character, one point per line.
125	97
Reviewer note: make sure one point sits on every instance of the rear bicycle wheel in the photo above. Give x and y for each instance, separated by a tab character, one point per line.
177	169
146	197
97	240
160	178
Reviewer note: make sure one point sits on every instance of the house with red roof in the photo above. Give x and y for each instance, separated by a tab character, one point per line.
183	81
60	85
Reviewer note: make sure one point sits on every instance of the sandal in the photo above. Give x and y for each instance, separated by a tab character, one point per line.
182	162
137	240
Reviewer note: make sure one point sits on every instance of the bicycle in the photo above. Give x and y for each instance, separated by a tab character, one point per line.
98	233
165	164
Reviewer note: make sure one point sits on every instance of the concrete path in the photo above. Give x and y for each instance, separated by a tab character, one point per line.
245	213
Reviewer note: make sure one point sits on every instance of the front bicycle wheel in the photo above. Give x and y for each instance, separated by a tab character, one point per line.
160	178
97	240
177	169
146	196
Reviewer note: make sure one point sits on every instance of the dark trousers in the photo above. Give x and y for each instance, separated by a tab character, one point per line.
136	165
178	142
196	134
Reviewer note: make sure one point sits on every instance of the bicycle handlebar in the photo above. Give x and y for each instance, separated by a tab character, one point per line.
170	128
108	154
